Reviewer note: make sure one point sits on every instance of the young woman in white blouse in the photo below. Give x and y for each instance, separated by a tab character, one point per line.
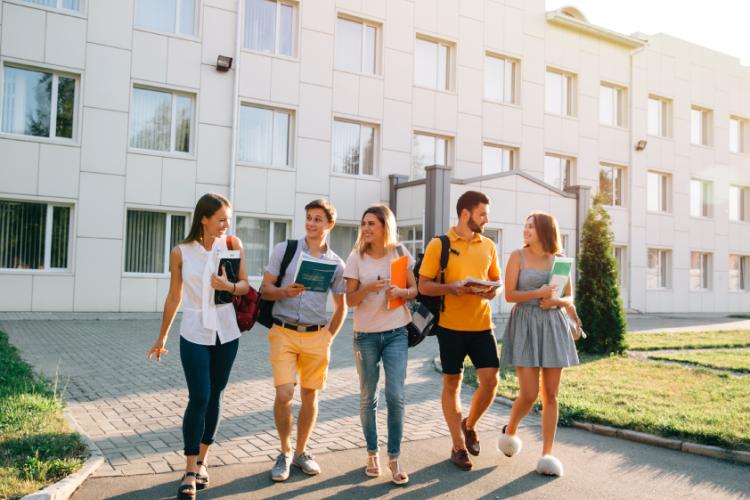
209	335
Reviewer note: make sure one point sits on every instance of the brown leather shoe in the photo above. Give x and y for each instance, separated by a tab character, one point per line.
461	459
470	437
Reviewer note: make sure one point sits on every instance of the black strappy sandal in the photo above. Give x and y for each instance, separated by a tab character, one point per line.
187	490
201	480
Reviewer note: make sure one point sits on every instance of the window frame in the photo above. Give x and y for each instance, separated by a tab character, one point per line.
290	139
619	104
514	156
568	174
195	35
348	225
172	132
623	184
167	239
705	270
515	65
448	150
706	199
743	209
450	70
49	220
665	191
743	271
413	244
365	23
622	265
294	4
664	263
273	221
375	148
664	116
706	126
56	74
568	93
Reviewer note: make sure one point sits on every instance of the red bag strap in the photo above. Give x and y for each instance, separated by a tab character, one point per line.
229	242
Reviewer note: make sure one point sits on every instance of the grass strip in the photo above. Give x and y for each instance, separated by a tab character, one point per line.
737	360
688	340
37	447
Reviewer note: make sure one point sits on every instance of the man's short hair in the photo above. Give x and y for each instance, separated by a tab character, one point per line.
470	200
325	206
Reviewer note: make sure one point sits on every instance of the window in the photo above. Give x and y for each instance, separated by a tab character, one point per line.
739	203
428	150
557	171
269	26
264	136
700	126
611	105
611	185
259	236
700	271
564	242
38	103
432	64
739	273
149	238
620	253
342	239
34	235
658	192
161	120
658	272
169	16
497	159
559	93
739	138
74	5
500	79
659	116
700	198
356	46
353	148
411	238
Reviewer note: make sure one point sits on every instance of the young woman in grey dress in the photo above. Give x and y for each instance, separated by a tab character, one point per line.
537	337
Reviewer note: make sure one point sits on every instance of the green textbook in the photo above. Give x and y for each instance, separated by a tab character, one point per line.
560	274
314	274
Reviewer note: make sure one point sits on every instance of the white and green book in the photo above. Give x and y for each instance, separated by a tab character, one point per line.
560	274
315	274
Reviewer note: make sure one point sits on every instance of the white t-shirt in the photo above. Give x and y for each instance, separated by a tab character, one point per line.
372	315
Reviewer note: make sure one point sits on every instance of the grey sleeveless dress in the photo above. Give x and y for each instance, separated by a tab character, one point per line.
536	337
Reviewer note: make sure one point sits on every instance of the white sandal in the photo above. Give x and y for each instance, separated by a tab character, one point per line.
373	466
404	477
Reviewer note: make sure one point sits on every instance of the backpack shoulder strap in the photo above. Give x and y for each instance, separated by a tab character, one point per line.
445	249
291	249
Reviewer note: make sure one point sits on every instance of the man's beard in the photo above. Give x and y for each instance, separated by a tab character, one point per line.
475	227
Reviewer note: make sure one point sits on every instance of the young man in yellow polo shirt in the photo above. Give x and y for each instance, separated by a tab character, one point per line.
465	324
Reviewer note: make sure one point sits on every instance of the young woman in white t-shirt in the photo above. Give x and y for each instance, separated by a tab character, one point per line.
209	334
380	334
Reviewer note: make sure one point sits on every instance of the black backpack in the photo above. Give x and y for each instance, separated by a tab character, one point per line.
434	304
265	316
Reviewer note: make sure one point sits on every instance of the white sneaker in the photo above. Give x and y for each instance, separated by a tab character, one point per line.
280	471
549	466
508	445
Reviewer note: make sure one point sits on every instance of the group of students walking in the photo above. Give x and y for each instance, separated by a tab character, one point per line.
537	340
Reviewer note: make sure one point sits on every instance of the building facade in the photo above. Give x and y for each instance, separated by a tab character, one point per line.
116	115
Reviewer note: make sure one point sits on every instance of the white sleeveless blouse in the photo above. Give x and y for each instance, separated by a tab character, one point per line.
202	320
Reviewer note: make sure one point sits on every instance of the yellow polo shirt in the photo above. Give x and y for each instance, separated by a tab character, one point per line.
476	258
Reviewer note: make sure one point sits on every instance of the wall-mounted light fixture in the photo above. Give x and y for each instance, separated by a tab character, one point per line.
641	145
223	63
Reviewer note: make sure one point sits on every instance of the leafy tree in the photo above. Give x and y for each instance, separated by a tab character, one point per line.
597	293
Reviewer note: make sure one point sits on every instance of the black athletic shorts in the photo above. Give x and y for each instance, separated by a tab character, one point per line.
481	348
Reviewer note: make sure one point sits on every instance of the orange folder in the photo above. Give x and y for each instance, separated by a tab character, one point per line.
398	278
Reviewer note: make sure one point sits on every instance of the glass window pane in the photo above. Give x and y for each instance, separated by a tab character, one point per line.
256	129
255	235
492	160
734	135
156	14
696	126
71	4
652	192
618	198
696	195
370	50
286	28
509	86
443	67
22	232
66	88
280	138
348	45
553	92
342	239
441	151
187	17
423	154
606	188
493	78
553	171
654	107
60	237
346	148
426	63
368	150
27	96
150	119
734	203
606	100
177	230
260	25
734	272
46	3
183	118
144	242
279	232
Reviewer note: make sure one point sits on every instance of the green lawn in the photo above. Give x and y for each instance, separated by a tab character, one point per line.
36	446
688	340
737	360
660	398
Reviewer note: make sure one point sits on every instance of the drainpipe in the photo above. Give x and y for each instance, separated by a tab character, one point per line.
235	103
631	178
